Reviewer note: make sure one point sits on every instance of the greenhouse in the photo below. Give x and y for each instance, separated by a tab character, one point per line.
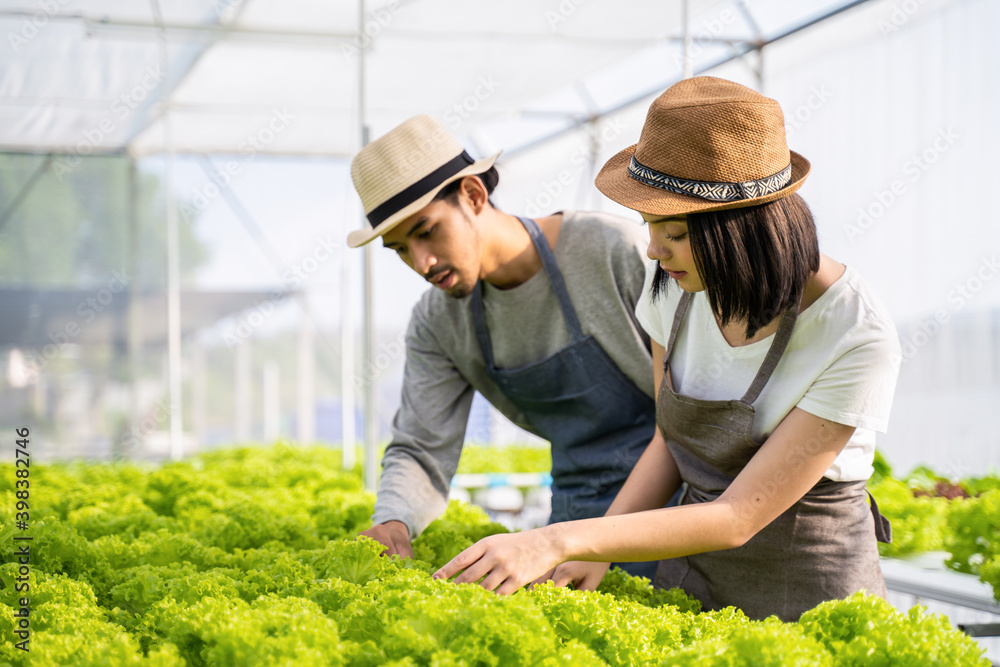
240	433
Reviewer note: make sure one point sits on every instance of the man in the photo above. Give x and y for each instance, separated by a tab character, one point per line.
539	318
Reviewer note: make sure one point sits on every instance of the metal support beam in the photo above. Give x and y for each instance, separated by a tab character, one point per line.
348	388
164	101
256	233
371	414
758	68
134	322
243	379
199	391
583	193
964	590
309	330
306	377
173	263
980	629
371	418
272	401
659	88
686	28
188	31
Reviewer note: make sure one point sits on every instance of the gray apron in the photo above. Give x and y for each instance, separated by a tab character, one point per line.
822	548
597	420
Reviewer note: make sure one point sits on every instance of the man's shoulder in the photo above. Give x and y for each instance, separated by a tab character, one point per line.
601	231
600	222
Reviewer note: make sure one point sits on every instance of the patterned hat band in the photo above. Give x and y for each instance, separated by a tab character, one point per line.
707	190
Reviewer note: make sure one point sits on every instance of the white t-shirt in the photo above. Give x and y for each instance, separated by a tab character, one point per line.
841	363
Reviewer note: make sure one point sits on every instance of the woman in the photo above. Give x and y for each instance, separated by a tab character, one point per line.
775	366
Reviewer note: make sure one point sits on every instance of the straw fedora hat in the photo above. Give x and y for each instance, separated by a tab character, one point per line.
707	144
401	172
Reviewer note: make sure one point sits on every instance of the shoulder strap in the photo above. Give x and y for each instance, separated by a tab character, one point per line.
555	277
778	345
479	322
678	317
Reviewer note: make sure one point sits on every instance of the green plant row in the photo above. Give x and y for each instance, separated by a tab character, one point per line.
930	512
511	458
249	557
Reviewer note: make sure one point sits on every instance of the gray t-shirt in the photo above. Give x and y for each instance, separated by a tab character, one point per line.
602	259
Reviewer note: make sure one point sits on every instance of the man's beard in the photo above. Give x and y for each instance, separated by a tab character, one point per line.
459	291
456	291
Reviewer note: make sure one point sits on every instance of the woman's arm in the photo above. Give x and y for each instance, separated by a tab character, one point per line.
652	482
786	466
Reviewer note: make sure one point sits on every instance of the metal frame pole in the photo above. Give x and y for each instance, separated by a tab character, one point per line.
243	377
174	318
173	260
134	322
306	377
688	66
271	396
371	424
659	87
348	434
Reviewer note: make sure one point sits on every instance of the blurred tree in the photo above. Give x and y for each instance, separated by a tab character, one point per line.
72	229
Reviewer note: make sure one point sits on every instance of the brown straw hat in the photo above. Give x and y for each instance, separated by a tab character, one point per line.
401	172
708	144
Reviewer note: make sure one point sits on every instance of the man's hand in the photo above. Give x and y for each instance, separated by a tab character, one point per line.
394	535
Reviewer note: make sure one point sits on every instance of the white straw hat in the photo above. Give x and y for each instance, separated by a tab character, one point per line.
401	172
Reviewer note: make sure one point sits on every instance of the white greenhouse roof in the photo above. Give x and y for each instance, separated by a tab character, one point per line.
90	77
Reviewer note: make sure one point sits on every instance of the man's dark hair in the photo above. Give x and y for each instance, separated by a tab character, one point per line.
753	261
490	178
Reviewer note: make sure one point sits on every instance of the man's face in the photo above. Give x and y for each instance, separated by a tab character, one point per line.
440	242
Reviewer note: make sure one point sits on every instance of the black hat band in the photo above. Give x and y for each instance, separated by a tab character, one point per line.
419	189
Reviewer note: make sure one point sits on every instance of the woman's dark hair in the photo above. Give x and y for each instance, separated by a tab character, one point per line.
490	178
754	261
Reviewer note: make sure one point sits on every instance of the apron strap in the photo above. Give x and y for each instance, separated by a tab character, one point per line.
778	345
555	280
555	277
479	322
678	316
883	529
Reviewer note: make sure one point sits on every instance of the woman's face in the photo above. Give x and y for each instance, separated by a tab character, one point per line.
670	245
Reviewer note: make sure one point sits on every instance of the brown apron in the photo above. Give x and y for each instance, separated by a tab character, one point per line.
821	548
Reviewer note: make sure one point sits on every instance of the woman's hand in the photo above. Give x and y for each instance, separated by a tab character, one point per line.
505	562
584	575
